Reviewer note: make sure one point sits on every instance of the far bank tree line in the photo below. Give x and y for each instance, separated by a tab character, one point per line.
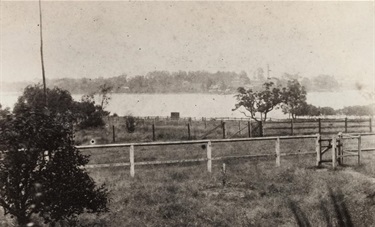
193	82
188	82
256	104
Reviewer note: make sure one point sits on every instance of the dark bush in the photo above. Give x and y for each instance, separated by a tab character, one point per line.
130	124
41	171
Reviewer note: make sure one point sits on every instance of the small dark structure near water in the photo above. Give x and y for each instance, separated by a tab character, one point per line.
175	115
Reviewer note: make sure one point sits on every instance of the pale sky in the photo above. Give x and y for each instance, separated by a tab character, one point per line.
106	39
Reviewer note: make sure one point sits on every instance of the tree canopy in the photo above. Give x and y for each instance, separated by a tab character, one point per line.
293	98
42	173
258	102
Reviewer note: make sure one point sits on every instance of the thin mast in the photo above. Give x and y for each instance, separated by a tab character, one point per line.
41	52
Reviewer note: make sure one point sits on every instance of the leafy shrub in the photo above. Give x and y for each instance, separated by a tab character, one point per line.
130	124
41	172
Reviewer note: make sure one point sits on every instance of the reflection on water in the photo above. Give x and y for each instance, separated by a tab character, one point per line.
203	105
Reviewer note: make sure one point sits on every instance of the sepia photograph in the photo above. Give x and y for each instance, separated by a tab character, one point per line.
187	113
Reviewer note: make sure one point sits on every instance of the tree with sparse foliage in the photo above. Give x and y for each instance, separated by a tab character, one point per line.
258	102
42	174
104	94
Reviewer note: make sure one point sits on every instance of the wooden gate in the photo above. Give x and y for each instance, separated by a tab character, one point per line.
335	144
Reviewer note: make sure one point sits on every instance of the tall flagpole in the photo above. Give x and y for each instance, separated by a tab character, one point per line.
41	52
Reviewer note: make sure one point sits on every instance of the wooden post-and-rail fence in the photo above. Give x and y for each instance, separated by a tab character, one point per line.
208	144
338	151
271	128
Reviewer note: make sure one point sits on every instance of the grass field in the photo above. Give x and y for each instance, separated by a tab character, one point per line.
255	193
167	130
252	192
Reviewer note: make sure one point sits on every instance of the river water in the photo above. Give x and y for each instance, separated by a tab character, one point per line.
203	105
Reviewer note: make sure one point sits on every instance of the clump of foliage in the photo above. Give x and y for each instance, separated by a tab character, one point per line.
307	110
130	124
42	174
293	98
259	102
88	114
368	110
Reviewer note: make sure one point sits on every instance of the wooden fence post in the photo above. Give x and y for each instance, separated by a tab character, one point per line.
334	154
239	127
189	135
346	125
277	149
320	126
209	157
317	149
153	132
224	129
113	134
340	159
249	128
359	149
131	157
291	127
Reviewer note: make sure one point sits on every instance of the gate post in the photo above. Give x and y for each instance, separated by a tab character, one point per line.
317	149
334	154
340	148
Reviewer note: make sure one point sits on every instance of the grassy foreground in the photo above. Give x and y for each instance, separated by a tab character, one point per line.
250	193
255	194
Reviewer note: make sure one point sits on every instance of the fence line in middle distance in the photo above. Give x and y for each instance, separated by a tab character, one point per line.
208	143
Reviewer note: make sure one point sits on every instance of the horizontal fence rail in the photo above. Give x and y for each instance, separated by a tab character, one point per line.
278	154
163	128
209	157
194	142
